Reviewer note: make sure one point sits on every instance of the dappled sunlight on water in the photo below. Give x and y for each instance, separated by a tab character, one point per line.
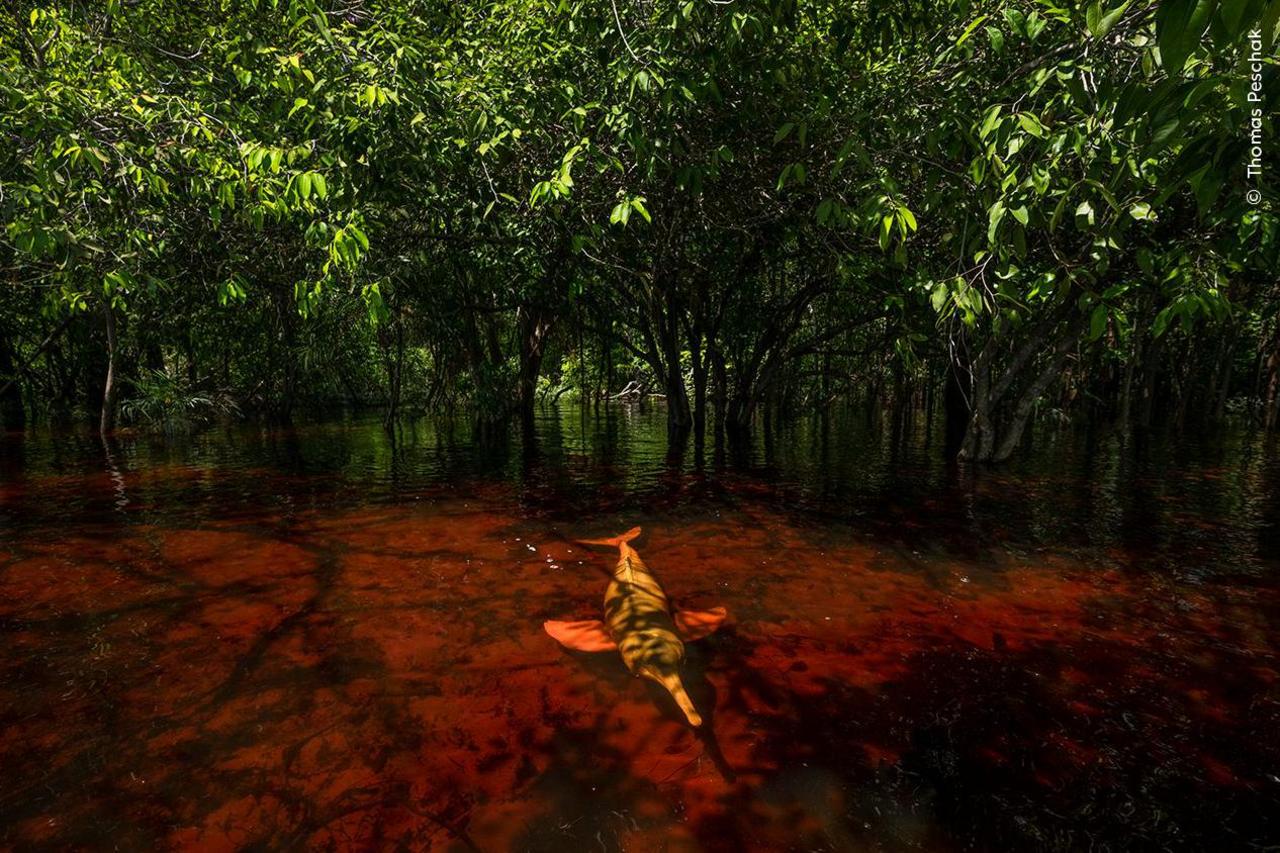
319	638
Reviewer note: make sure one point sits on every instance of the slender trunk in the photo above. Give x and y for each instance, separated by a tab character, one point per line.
11	371
12	414
534	325
720	380
1225	370
1126	394
286	354
956	408
977	439
987	395
699	386
607	345
1271	402
193	373
107	423
666	325
1150	378
393	362
1022	409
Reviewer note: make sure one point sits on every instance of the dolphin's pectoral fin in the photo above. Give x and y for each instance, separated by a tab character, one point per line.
696	624
585	636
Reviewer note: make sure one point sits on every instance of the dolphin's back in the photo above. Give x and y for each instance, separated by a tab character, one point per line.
637	613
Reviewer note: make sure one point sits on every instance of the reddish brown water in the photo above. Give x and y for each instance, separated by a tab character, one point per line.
317	638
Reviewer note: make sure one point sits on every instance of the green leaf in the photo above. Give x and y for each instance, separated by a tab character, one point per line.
1179	26
1110	19
1031	124
784	132
1093	17
989	121
638	204
1099	22
1098	322
1238	14
1142	211
964	37
1161	322
938	298
994	217
360	236
824	211
323	26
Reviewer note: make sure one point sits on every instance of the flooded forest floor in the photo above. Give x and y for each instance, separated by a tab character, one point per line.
323	637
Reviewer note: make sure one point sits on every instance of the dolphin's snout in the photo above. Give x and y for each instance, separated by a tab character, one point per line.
671	681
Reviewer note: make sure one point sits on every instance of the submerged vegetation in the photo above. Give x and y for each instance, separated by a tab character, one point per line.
984	210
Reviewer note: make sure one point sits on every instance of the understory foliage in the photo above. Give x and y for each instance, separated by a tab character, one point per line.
991	209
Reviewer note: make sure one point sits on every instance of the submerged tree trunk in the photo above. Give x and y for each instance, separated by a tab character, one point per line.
107	422
1271	399
12	413
720	384
393	361
955	402
679	413
1150	367
699	359
1022	410
994	431
534	324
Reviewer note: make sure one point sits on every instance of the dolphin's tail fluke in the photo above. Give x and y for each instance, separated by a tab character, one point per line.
616	541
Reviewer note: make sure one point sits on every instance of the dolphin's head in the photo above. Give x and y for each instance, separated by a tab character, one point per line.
660	661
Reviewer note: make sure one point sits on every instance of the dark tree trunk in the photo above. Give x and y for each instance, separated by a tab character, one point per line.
12	413
720	383
1126	392
153	356
107	422
1022	410
534	324
1150	378
666	315
699	387
1271	399
994	431
955	402
1222	391
189	350
392	345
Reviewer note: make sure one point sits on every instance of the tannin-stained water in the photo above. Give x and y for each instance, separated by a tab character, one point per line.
324	637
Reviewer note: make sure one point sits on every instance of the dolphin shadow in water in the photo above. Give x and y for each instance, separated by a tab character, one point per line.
704	695
639	624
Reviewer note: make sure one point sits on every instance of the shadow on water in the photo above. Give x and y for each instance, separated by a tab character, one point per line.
328	636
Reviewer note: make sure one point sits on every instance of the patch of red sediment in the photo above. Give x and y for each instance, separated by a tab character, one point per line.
217	558
71	577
